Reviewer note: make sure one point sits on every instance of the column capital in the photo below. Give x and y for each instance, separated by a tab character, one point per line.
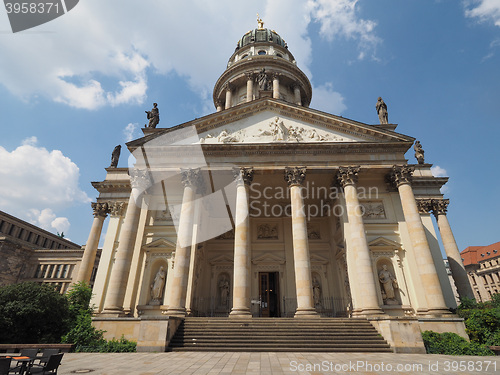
424	205
243	175
295	85
140	179
295	175
116	208
250	76
228	86
440	206
191	178
275	75
401	174
348	175
100	209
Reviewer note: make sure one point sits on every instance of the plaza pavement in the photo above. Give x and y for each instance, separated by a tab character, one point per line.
201	363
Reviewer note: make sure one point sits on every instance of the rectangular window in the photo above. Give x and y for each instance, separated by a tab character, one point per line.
64	272
58	271
49	273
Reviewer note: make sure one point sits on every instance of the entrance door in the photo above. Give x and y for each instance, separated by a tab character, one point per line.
268	293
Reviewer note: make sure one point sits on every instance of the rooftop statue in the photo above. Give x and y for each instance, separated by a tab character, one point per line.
153	116
419	152
115	156
382	111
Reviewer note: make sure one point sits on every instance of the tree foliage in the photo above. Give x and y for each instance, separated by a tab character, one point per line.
32	313
452	344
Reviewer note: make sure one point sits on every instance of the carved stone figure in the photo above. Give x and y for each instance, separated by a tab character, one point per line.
389	285
419	152
267	232
263	80
115	155
225	137
224	291
157	287
279	130
316	292
153	116
382	111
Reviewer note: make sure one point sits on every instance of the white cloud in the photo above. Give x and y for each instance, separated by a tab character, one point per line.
129	131
36	182
99	54
484	10
437	171
327	100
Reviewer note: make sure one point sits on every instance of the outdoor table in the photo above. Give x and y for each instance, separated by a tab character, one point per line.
24	363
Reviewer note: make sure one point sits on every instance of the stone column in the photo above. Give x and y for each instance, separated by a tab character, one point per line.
295	176
296	93
219	105
458	272
401	177
178	289
85	271
359	262
229	95
250	78
276	85
242	251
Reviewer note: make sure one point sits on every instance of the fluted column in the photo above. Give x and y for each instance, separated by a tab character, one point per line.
276	85
242	252
178	290
295	176
85	271
140	181
296	93
359	262
401	177
458	272
250	78
229	95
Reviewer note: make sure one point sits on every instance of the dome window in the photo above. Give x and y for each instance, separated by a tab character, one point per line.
279	55
262	52
244	56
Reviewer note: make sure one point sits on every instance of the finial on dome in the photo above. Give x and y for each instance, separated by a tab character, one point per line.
260	23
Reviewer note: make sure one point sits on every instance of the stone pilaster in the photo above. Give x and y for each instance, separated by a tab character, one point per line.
85	271
359	262
177	295
295	176
250	78
401	177
458	272
242	251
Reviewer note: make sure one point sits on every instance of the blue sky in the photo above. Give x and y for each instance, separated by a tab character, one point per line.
72	89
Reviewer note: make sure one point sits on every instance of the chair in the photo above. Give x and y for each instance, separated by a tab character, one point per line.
46	353
5	365
49	368
21	366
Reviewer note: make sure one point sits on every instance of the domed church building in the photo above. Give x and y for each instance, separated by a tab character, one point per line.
269	212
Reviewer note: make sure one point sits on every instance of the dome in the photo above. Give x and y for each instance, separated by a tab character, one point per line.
261	36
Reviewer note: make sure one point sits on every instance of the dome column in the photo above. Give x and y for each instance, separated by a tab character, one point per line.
218	103
229	95
276	85
250	78
296	94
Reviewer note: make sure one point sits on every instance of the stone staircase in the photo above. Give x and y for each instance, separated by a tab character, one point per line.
278	335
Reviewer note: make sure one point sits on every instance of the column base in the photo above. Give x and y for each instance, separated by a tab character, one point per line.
179	312
433	312
369	311
240	313
306	313
113	312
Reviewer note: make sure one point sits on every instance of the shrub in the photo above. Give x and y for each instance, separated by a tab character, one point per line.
452	344
481	324
32	313
84	334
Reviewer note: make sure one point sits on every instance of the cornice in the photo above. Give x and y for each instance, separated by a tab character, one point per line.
112	186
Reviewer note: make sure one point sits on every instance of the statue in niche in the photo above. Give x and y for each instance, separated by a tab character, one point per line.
224	291
264	83
419	152
157	287
153	116
389	286
381	107
316	291
115	156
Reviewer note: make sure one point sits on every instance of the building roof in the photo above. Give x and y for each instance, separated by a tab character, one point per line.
477	254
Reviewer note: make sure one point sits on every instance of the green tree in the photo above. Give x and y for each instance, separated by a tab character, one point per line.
32	313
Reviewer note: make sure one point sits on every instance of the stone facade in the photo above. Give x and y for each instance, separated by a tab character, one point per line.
30	253
268	208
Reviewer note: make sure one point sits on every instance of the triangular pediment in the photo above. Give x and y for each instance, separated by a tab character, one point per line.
316	258
271	121
221	259
268	259
382	243
161	243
